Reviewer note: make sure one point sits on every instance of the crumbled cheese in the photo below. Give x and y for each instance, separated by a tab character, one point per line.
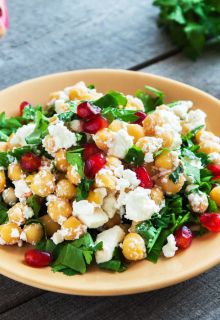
134	103
110	205
121	142
21	134
214	157
60	106
59	236
23	236
14	233
131	177
28	212
169	118
181	109
89	214
21	189
110	239
75	125
195	119
198	201
149	146
139	205
170	248
63	137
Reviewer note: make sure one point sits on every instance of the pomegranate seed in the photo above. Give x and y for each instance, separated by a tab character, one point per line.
22	106
86	111
30	162
183	237
95	124
37	258
141	116
216	178
215	169
93	164
211	221
144	177
90	149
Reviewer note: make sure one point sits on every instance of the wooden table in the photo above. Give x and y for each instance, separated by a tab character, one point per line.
53	36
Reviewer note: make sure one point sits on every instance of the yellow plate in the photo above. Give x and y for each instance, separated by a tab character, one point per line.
143	276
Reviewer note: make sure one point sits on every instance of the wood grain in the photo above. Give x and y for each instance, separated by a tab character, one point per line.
53	36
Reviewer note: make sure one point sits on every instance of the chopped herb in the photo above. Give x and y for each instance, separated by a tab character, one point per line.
174	176
35	203
191	171
75	159
29	112
82	190
116	264
3	216
134	155
125	115
150	103
41	129
111	99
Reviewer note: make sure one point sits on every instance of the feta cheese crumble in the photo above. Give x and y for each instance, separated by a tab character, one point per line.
21	134
22	191
170	248
120	143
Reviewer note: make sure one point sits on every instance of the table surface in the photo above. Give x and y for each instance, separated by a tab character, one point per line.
52	36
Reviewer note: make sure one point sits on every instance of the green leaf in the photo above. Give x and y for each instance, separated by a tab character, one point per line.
40	131
121	114
75	159
3	216
150	102
69	115
191	171
158	245
91	86
212	206
81	138
83	189
8	157
135	156
149	233
29	112
177	15
35	203
111	99
116	264
174	176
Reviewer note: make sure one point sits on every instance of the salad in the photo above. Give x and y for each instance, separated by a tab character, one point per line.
106	179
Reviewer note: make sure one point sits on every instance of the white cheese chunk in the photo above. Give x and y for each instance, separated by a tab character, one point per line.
21	189
139	205
170	248
181	108
195	119
120	143
21	134
214	157
110	238
110	205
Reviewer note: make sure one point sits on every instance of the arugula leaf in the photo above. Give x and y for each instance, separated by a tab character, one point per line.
149	233
29	112
174	176
75	159
8	126
134	155
116	264
111	99
150	103
82	190
212	206
35	203
41	129
125	115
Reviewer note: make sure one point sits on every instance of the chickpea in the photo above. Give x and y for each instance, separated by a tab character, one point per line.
49	144
169	186
198	136
117	125
29	179
15	172
164	160
167	138
60	160
32	233
43	183
116	220
9	196
157	195
2	181
97	195
50	226
19	213
150	122
3	146
9	233
208	146
59	209
102	137
65	189
112	162
133	247
74	227
73	175
105	180
215	195
136	131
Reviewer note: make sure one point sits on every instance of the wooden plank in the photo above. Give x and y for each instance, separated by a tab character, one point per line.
203	74
195	299
53	36
14	293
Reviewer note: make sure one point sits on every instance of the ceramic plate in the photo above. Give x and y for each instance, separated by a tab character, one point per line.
142	276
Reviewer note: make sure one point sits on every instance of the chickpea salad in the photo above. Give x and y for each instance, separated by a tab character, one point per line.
106	179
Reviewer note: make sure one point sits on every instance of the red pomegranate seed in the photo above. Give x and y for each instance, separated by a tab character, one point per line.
37	258
93	164
141	116
215	169
183	237
22	106
95	124
216	178
86	110
144	177
90	149
211	221
30	162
